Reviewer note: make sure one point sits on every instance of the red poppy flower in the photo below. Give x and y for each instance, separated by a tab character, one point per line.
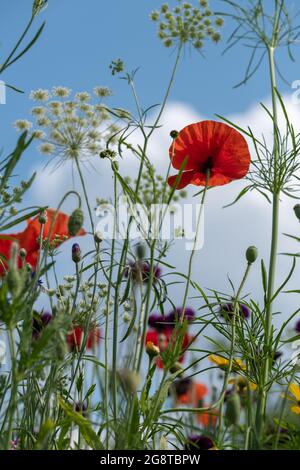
75	337
208	418
28	239
213	146
194	394
162	340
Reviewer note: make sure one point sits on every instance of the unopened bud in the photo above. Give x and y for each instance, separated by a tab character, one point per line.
297	211
97	237
140	251
251	254
233	409
76	253
176	368
22	253
75	222
152	350
43	217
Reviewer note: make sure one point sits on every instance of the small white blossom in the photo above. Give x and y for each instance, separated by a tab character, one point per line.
46	148
39	95
61	91
22	125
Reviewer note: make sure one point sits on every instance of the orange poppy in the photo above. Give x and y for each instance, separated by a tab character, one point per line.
209	145
29	238
194	393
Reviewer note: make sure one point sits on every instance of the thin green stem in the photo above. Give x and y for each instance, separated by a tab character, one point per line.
262	400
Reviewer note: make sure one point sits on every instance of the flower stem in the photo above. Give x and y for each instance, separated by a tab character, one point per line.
262	401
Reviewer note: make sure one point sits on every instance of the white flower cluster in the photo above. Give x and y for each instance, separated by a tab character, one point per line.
72	128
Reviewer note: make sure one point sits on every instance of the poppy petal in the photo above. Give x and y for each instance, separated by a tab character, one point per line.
185	178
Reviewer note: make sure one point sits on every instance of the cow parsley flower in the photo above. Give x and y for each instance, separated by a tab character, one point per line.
72	126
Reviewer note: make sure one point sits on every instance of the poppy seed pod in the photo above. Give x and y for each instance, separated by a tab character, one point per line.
251	254
76	253
174	134
75	222
297	211
233	408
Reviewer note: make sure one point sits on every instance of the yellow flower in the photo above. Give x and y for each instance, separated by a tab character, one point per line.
294	390
242	383
223	363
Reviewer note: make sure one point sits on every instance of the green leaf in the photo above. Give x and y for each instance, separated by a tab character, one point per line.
86	430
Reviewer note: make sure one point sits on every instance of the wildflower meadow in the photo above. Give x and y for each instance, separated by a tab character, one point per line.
119	331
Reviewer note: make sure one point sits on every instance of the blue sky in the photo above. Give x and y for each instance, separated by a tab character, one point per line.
80	40
82	37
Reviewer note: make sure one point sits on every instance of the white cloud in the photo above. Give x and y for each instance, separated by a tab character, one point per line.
228	232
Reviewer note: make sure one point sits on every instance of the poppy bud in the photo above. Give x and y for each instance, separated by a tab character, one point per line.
76	253
251	254
176	368
75	222
43	217
14	282
152	350
97	237
297	211
22	253
38	6
174	134
233	408
140	251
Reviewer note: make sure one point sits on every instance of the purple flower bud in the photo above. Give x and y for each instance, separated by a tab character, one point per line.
226	310
81	407
189	315
140	271
76	253
40	322
198	442
297	327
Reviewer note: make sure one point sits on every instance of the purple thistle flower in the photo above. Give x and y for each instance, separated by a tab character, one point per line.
226	310
76	253
140	271
174	316
297	327
198	442
81	407
40	322
158	322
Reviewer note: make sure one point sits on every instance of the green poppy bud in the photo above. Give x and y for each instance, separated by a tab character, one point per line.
22	253
251	254
75	222
177	367
233	408
14	282
43	217
297	211
140	251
